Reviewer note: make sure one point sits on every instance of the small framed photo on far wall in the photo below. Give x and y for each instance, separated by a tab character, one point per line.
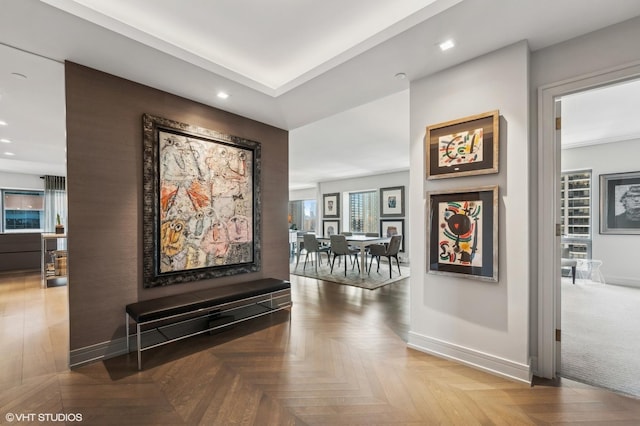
331	205
391	227
392	201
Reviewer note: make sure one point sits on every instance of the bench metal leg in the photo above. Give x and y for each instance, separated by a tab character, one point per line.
138	340
126	323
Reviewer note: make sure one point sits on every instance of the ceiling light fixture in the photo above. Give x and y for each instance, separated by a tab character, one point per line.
223	95
9	154
401	76
3	123
3	140
446	45
18	75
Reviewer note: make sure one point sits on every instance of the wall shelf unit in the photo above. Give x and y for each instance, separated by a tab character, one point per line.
576	218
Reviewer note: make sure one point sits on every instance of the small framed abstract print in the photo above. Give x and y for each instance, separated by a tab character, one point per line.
463	147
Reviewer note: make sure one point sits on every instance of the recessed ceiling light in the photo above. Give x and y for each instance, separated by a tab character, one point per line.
223	95
3	123
5	140
9	154
446	45
401	76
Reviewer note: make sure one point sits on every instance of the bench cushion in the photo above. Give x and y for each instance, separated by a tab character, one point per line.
153	309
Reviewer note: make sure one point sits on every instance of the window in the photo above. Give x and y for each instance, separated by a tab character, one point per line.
364	211
23	210
575	204
302	215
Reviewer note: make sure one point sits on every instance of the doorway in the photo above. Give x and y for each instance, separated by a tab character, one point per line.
555	313
598	315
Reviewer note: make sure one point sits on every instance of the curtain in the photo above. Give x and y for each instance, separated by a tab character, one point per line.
55	202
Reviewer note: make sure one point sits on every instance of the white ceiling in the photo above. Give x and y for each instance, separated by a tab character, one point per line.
323	70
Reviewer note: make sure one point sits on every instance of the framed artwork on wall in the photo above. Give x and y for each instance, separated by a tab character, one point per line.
463	147
392	201
391	227
331	205
620	203
201	215
330	227
462	233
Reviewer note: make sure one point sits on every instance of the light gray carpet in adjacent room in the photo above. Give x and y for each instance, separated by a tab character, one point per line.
601	335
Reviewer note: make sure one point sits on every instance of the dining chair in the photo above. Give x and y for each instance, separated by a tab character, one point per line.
340	247
299	246
312	245
389	251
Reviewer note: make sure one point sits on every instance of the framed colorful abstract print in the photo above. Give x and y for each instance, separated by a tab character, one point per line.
462	233
464	147
201	216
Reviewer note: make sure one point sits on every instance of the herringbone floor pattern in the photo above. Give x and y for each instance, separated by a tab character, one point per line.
339	358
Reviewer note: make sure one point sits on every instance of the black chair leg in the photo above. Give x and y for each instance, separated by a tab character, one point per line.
573	274
333	263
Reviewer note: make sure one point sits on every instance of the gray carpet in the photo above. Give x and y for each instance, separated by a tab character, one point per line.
370	281
601	335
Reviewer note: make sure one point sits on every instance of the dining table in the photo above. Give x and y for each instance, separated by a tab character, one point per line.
358	240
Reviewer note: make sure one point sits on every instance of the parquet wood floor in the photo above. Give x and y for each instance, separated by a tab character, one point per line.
338	358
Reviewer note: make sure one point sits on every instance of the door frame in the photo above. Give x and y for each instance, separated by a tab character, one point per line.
549	156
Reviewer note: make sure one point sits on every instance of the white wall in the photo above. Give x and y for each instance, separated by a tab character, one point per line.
617	252
303	194
484	324
20	181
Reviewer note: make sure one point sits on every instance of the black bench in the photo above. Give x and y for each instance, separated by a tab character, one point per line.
220	306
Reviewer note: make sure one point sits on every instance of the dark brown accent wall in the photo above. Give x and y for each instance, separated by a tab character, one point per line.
104	172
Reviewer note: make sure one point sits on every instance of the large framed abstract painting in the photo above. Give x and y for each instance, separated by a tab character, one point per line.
463	147
201	215
620	203
462	233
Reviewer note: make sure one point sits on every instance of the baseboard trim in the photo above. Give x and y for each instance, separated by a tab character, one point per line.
475	359
97	352
622	281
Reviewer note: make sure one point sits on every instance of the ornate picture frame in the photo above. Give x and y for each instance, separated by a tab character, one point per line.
202	203
462	233
392	201
463	147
